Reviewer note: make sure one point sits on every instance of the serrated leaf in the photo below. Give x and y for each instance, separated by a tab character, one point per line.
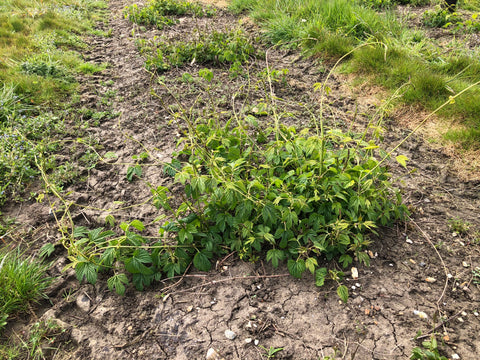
110	155
296	268
86	270
108	257
137	224
311	263
143	256
46	250
402	160
132	171
320	276
118	283
110	220
79	231
342	292
201	262
275	255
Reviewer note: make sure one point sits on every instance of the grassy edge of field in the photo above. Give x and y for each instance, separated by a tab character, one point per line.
396	57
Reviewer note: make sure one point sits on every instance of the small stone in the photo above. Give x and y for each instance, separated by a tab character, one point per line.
358	285
248	340
189	308
212	354
475	313
449	276
460	320
354	273
422	264
430	279
409	241
353	287
256	342
229	334
464	313
455	357
465	264
83	303
420	314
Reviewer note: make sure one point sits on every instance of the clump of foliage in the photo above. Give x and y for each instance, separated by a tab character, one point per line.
23	281
160	12
25	138
35	344
440	18
459	226
428	351
385	4
299	197
233	47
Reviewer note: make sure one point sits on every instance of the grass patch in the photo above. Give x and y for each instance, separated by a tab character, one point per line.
23	281
400	56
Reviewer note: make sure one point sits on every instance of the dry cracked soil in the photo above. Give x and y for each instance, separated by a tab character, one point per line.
187	318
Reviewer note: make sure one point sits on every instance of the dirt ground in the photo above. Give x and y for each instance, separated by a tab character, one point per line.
187	318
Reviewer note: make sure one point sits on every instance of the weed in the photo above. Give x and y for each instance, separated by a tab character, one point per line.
37	345
160	12
440	18
234	47
295	197
459	226
270	353
428	351
90	68
23	279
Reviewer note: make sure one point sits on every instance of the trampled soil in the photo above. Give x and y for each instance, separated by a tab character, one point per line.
265	307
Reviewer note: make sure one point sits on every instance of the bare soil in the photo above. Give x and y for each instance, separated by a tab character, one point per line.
185	317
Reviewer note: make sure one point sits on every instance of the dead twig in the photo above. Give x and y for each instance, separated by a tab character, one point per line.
425	235
428	333
214	282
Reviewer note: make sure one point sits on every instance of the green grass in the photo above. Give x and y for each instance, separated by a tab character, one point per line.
39	60
23	281
396	57
37	343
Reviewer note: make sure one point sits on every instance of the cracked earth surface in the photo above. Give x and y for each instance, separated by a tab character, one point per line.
264	307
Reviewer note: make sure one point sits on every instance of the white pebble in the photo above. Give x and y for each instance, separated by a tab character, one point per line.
248	340
455	357
420	314
256	342
212	354
229	334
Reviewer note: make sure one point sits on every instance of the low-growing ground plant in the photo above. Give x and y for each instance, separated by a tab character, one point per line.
37	344
161	13
302	197
440	18
23	281
428	351
233	47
